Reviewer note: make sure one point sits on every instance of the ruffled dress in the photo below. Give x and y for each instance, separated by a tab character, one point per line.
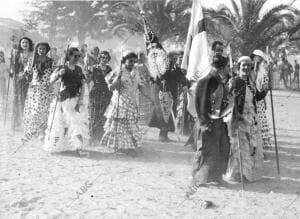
122	115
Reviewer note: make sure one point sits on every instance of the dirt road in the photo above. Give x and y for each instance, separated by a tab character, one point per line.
35	184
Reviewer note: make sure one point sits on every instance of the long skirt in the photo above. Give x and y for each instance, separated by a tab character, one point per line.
210	161
36	110
20	93
246	135
69	127
184	120
121	127
157	120
99	101
264	125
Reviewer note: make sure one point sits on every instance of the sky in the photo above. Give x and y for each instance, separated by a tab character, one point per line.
12	8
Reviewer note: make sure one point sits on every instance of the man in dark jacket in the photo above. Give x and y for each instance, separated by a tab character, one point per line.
210	161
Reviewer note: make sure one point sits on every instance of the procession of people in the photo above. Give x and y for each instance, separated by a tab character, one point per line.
79	101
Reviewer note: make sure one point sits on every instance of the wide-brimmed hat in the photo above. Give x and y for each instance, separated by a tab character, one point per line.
260	53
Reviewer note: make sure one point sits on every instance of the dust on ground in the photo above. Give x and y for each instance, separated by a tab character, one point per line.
36	184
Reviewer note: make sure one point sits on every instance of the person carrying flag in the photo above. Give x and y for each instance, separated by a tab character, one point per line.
164	85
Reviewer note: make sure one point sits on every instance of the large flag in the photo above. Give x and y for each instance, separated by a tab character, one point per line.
196	54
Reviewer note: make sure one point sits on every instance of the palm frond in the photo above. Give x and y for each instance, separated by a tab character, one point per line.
294	30
264	25
277	9
236	9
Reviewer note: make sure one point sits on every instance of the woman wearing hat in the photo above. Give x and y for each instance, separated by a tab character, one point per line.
122	133
39	93
244	129
261	78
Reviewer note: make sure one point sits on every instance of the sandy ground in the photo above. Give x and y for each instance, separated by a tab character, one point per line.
35	184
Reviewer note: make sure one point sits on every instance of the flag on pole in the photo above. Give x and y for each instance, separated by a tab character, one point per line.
196	54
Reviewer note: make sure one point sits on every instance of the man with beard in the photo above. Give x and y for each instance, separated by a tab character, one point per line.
158	65
165	81
163	86
212	103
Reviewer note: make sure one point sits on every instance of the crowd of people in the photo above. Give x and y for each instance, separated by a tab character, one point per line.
285	74
78	100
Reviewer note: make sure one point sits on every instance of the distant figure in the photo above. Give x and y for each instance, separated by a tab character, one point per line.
93	58
53	55
285	69
4	70
296	73
84	50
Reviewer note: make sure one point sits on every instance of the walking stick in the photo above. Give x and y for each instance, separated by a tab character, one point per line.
8	84
273	117
239	146
56	101
173	118
13	64
184	110
118	103
236	117
6	101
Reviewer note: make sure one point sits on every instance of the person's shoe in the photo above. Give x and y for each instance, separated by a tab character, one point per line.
191	190
232	179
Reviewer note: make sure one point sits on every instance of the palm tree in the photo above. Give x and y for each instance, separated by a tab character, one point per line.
168	19
248	25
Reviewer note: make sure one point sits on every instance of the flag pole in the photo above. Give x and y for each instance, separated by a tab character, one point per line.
273	116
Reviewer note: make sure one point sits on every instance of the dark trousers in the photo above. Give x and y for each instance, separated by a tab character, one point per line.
211	158
296	79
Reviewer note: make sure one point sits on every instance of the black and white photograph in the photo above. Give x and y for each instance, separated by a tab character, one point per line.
150	109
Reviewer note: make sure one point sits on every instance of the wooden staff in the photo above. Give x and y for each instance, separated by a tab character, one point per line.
12	67
7	93
118	103
236	117
273	116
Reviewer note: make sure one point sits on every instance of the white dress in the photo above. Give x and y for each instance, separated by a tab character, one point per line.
70	127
